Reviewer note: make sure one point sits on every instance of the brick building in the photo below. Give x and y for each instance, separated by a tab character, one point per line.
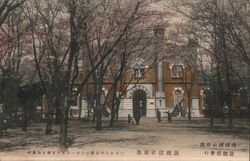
162	85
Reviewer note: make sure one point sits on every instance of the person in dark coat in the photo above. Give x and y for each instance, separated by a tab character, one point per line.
158	114
137	116
4	123
129	119
169	116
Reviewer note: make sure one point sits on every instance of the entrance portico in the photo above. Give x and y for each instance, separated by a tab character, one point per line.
140	102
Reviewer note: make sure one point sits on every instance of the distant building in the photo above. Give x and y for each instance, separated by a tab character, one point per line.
161	86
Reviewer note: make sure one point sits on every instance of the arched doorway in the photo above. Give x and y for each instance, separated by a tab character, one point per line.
139	102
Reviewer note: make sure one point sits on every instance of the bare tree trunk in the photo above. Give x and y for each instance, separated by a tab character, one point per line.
80	104
64	126
117	111
189	104
49	125
228	95
25	117
230	114
189	110
213	96
41	114
211	108
230	110
221	95
94	115
228	81
48	130
98	117
112	120
57	111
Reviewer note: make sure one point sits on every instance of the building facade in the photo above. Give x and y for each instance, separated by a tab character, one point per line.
165	85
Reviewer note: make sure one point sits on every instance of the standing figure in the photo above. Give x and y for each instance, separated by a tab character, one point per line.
129	119
169	116
158	114
137	116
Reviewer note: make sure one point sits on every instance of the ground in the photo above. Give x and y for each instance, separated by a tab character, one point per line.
164	141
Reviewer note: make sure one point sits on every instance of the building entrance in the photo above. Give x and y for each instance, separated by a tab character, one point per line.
139	102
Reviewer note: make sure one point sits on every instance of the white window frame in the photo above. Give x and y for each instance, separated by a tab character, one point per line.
179	70
139	72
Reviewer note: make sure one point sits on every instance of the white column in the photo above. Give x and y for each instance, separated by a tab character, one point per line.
159	50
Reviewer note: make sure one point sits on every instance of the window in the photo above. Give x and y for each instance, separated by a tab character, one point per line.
139	68
139	72
176	71
178	97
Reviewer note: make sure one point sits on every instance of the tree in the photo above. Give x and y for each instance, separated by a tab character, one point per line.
57	48
110	34
214	22
48	61
7	7
27	96
13	39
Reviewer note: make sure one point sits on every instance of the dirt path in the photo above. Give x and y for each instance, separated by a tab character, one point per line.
176	140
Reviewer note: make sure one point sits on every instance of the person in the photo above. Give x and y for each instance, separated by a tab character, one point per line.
169	117
158	114
4	123
129	119
137	116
